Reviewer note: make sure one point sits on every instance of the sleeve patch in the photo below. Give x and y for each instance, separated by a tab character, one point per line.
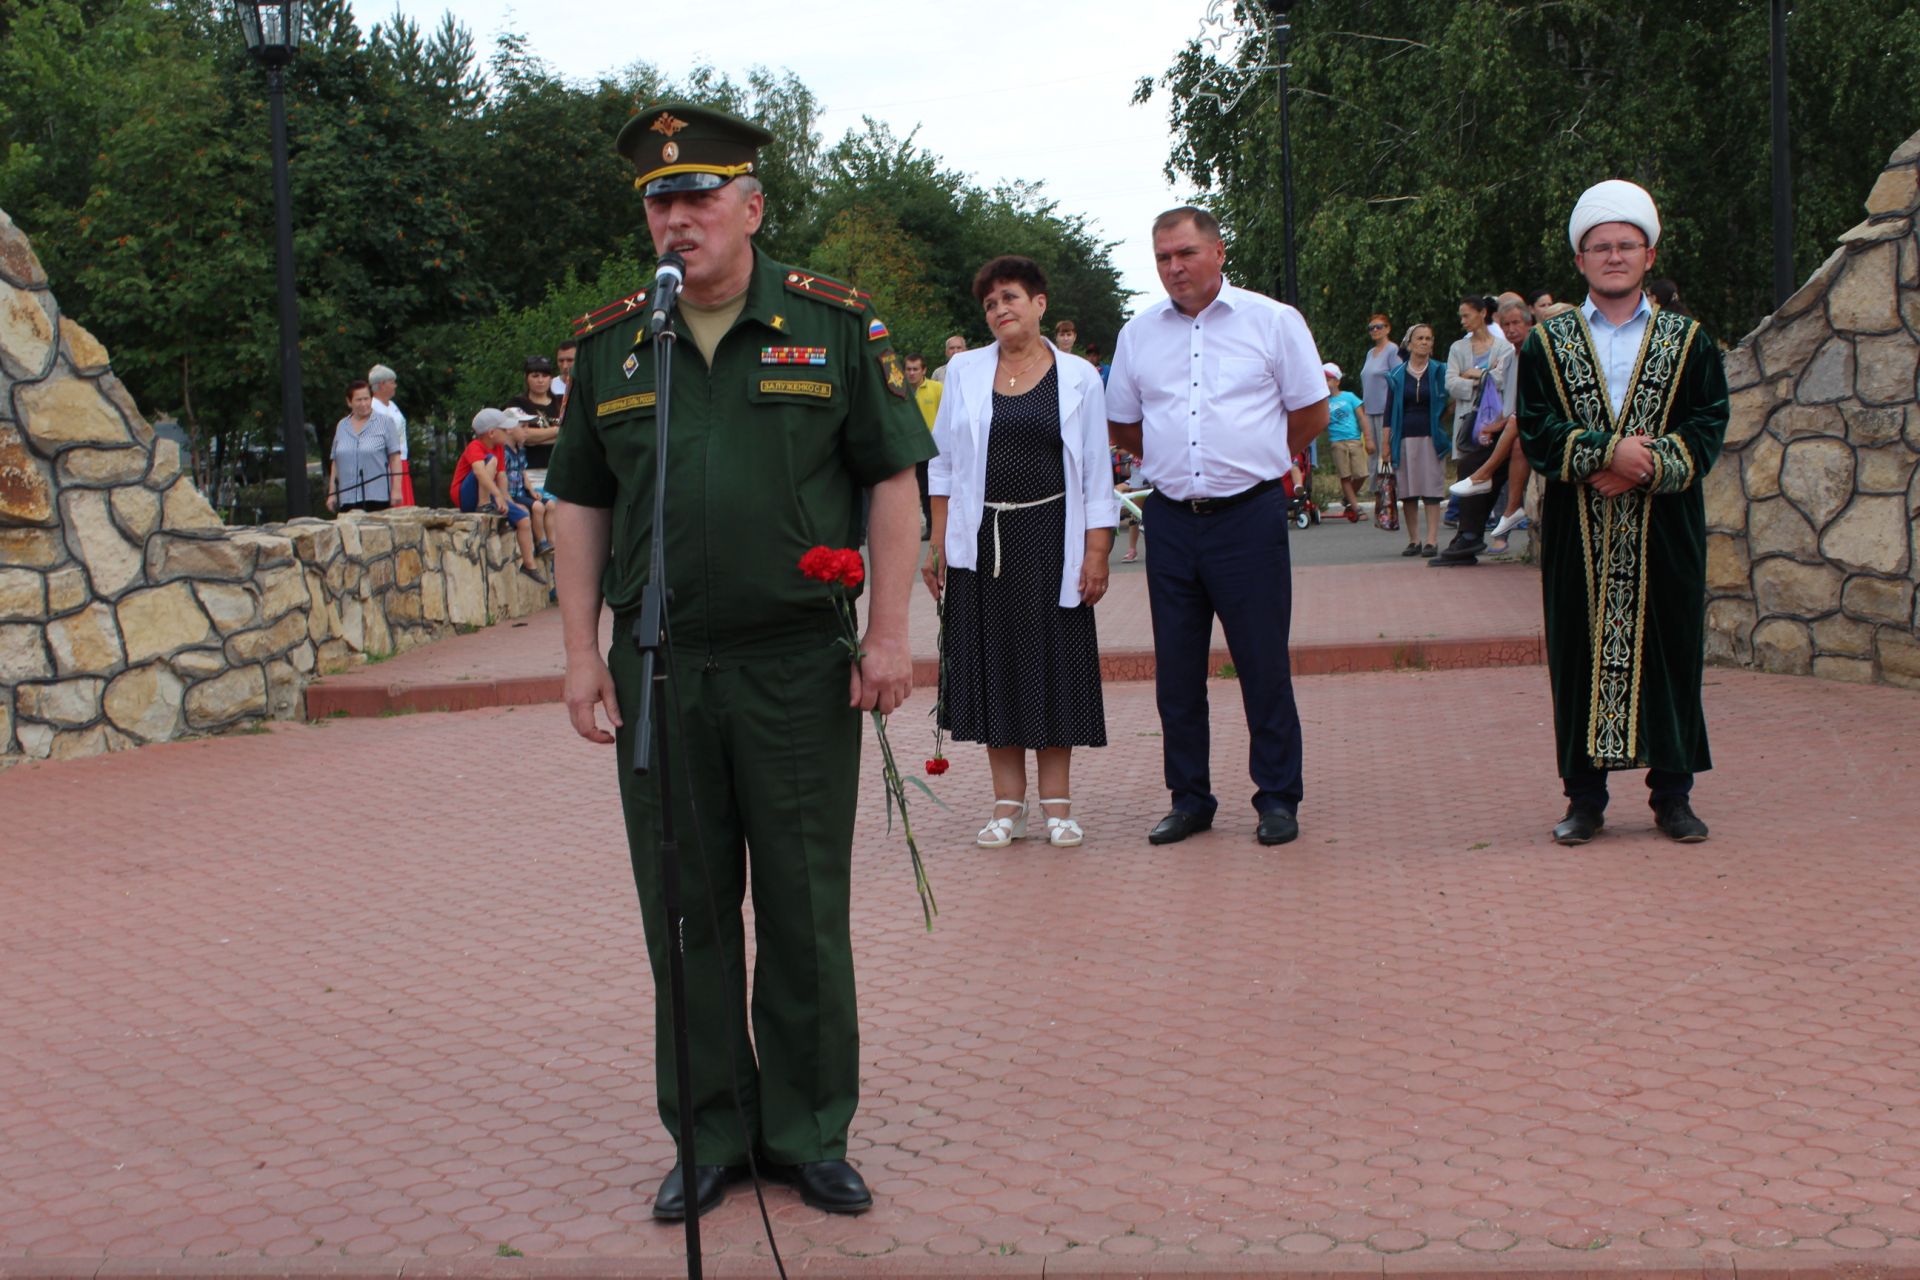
876	330
894	373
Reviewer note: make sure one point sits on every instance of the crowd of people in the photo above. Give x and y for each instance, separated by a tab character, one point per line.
498	472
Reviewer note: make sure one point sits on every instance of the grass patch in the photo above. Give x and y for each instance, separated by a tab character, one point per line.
507	1251
1227	671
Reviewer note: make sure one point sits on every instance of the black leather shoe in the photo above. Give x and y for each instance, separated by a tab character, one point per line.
1677	819
832	1185
1177	826
1278	827
1579	826
712	1180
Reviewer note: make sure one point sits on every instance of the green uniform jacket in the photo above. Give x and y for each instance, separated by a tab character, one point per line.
767	456
1624	579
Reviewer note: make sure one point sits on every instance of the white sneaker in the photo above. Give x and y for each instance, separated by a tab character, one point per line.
1469	487
1508	523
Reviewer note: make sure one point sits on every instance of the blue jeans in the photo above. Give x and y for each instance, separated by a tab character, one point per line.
470	500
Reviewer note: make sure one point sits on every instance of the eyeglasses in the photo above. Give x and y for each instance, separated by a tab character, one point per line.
1372	327
1608	250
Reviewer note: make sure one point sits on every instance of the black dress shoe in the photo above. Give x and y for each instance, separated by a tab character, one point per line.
1579	826
1278	827
670	1201
1177	826
1677	819
832	1185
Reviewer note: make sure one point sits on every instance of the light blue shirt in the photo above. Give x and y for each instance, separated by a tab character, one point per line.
1617	346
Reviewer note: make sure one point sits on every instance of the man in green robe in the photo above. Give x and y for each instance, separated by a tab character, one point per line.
1623	408
787	400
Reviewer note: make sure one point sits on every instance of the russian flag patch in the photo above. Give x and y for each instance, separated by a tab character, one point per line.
876	331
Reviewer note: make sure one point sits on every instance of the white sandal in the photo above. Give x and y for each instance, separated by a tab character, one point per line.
1001	832
1062	833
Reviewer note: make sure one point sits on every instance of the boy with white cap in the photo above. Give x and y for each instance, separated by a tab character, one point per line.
1623	408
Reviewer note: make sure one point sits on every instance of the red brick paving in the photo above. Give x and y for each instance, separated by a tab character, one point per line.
1347	618
249	1028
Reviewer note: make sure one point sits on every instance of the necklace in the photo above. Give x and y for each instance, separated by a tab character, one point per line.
1013	378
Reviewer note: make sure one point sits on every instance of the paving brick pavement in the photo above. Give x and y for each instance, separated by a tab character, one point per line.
319	1001
1346	618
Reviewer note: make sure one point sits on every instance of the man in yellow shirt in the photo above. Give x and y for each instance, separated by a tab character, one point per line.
926	394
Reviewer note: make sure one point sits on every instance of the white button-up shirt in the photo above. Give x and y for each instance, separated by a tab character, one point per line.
1617	346
1213	391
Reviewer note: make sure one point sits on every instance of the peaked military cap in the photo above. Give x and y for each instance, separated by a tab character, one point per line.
680	146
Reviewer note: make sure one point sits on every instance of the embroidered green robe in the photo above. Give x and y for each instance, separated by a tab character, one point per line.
1624	579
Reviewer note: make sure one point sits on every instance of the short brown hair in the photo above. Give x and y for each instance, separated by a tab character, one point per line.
1203	222
916	358
1011	269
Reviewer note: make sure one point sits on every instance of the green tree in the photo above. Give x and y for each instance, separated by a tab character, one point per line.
866	248
1438	145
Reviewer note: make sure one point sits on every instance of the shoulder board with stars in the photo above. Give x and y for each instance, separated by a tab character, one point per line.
827	289
613	311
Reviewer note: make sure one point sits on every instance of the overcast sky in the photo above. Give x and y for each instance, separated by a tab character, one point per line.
1000	89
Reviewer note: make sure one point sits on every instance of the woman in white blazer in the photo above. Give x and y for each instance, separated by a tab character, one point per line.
1023	519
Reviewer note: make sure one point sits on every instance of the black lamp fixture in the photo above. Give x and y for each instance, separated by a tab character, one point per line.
1282	29
272	29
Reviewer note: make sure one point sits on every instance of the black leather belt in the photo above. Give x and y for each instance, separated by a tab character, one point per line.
1214	506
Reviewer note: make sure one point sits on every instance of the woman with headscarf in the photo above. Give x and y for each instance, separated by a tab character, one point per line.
1023	519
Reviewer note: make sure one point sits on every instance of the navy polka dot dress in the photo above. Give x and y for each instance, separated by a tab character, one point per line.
1020	670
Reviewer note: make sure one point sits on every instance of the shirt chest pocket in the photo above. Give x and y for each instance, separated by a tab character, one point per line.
1241	374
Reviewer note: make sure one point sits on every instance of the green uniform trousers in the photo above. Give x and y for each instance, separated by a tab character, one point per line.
768	753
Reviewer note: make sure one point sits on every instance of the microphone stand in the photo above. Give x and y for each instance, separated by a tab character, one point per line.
650	637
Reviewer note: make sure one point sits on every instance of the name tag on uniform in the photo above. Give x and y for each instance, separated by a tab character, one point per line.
639	400
793	355
792	387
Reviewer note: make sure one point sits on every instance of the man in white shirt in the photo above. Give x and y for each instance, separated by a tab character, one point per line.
956	343
383	382
1215	389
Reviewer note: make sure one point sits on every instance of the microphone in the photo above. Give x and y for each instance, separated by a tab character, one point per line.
666	291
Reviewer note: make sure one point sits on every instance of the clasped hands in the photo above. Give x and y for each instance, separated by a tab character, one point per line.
1632	467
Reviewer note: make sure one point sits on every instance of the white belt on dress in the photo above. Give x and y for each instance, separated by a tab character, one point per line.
998	507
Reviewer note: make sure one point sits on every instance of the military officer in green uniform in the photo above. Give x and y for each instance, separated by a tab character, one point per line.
787	401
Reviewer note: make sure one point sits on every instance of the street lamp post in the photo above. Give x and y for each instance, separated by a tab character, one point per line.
272	29
1782	176
1282	29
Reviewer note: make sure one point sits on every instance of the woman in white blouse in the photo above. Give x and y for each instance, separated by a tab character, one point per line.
1023	512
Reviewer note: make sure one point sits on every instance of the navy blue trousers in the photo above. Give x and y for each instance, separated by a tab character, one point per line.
1233	564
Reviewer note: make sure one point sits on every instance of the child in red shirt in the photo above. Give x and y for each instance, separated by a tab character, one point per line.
480	483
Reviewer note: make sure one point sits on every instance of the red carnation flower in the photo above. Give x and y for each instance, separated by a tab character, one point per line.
937	765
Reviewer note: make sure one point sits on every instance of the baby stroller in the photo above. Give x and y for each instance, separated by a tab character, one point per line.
1300	505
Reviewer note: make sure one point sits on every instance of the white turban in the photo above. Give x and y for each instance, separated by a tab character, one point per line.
1615	200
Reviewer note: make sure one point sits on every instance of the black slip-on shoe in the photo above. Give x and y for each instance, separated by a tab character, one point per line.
1579	826
1177	826
1278	827
711	1180
1677	819
830	1185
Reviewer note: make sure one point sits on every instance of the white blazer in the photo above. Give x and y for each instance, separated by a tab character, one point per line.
959	473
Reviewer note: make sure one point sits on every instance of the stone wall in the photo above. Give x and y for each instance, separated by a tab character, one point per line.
129	614
1812	547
